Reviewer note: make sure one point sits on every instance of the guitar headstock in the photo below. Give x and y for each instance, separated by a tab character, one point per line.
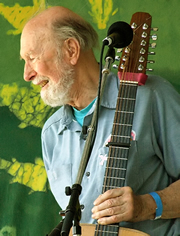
135	57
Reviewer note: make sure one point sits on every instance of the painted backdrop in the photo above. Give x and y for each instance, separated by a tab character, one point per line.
27	206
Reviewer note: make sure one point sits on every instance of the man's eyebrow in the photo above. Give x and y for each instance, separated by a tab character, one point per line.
26	55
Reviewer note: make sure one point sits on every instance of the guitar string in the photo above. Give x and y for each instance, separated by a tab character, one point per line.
128	105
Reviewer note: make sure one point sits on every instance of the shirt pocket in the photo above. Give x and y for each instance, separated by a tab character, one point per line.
59	178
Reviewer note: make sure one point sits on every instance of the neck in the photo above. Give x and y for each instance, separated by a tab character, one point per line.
87	79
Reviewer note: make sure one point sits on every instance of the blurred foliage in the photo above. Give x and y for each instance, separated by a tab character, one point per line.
25	103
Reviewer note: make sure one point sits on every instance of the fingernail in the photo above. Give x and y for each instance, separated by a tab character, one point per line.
99	221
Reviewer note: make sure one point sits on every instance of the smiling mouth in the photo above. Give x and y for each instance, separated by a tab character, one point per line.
43	83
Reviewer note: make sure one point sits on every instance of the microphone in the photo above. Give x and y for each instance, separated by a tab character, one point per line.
119	35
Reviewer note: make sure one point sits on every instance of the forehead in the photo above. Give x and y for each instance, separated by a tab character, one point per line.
34	39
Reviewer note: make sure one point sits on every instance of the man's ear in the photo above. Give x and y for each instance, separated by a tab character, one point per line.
72	50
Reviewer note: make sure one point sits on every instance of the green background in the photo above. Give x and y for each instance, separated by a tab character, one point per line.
27	206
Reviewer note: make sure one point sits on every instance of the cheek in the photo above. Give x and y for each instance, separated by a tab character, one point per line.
48	69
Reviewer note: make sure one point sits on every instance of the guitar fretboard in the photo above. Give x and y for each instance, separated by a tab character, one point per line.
119	147
121	135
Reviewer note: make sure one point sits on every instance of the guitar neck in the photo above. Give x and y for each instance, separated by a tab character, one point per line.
120	138
132	72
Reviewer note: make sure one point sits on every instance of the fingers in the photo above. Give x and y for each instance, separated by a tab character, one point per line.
114	206
112	193
110	215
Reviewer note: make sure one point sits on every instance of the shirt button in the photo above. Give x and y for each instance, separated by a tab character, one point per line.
82	207
87	174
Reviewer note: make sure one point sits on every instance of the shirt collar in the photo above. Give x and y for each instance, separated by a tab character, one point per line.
109	98
110	93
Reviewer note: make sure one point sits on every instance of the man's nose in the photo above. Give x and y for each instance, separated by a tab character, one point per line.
29	73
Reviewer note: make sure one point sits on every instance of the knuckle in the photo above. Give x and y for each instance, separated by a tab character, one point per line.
115	219
109	202
109	192
110	211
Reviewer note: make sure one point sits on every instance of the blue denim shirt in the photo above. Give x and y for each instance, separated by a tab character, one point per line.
154	157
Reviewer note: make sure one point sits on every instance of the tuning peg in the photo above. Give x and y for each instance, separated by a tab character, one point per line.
151	53
127	50
154	37
143	43
154	29
134	25
119	50
152	45
115	66
117	58
150	61
145	26
148	69
144	35
140	67
141	59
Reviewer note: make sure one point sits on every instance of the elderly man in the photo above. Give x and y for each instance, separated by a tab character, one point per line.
57	47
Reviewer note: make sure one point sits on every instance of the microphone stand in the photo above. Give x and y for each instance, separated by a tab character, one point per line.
73	211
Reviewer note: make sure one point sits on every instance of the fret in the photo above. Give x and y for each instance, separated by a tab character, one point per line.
127	118
118	140
118	158
125	110
120	149
116	152
127	92
129	83
128	108
122	166
121	136
129	125
106	230
114	168
128	99
108	187
116	178
128	112
114	173
113	184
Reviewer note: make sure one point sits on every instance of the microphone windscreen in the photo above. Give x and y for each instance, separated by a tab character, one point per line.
124	31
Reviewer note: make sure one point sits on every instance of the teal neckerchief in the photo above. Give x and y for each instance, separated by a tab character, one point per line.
79	115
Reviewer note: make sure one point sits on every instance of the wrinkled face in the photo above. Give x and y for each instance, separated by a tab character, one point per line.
45	66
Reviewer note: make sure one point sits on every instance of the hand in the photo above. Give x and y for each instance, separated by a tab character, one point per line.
117	205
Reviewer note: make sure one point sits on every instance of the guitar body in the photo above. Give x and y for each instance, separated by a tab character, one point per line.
89	229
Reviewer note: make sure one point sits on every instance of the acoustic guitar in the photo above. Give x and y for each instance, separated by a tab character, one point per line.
132	73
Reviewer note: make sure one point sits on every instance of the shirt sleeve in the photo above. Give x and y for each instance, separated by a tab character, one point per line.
166	120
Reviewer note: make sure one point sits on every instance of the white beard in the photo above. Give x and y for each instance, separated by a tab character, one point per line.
58	94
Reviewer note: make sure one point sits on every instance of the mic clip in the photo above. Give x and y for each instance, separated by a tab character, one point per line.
84	131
